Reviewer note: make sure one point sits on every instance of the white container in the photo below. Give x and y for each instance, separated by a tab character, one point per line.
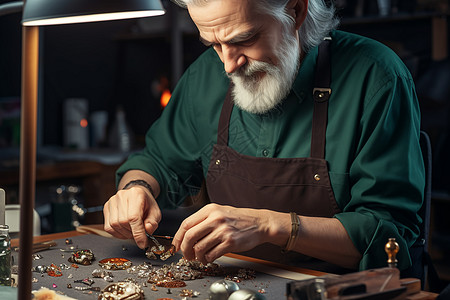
384	7
76	126
99	122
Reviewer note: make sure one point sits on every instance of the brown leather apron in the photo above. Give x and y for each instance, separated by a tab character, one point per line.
300	185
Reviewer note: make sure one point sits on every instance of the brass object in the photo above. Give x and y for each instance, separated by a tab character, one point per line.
317	177
391	249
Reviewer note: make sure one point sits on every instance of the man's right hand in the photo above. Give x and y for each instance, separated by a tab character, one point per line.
131	213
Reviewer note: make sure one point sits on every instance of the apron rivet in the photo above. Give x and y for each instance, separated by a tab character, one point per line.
317	177
321	95
218	162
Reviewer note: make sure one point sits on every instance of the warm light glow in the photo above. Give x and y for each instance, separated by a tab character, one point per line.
165	97
95	17
83	123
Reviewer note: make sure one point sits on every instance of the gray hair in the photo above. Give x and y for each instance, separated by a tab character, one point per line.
320	19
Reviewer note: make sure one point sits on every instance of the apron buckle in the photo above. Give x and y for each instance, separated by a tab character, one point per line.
321	94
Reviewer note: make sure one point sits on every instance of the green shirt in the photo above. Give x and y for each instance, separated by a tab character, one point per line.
372	139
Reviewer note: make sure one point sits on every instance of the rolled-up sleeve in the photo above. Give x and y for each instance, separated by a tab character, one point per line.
387	176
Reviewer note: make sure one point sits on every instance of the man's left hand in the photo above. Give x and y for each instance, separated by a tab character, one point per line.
216	230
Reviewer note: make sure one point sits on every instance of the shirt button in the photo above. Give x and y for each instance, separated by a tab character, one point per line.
265	152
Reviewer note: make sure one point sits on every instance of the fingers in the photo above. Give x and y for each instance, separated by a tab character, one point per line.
114	223
107	225
152	220
186	225
209	248
200	234
216	230
131	212
136	223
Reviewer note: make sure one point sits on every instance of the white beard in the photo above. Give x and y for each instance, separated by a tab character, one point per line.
258	95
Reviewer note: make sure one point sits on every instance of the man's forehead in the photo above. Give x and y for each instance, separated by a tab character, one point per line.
224	19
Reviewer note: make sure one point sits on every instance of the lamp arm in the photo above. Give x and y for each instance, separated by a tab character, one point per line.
11	7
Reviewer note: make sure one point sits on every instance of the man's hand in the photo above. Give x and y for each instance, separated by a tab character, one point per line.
131	213
216	230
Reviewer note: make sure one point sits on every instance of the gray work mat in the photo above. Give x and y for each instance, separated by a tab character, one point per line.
102	247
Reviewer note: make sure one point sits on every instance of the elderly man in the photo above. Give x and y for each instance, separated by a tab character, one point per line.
308	152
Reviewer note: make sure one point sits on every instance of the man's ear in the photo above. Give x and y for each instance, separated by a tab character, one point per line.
297	9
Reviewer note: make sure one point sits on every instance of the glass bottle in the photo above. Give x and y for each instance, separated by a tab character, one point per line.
5	256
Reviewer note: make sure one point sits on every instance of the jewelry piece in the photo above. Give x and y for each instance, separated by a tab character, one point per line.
171	284
86	281
186	293
294	232
88	288
97	273
115	263
242	274
40	269
122	290
143	270
82	257
163	251
36	256
54	271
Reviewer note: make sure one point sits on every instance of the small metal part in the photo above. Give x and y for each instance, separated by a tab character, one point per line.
36	256
69	248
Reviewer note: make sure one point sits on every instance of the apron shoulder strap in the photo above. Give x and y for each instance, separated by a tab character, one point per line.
321	95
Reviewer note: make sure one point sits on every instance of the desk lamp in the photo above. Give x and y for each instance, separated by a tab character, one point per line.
40	13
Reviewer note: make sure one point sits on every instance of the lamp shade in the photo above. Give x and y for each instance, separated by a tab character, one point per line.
52	12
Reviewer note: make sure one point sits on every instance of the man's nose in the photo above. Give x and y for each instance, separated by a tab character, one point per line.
233	58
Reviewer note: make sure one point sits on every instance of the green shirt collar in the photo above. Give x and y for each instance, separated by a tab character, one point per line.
303	84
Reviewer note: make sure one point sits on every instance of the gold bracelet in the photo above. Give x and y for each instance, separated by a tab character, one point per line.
294	232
